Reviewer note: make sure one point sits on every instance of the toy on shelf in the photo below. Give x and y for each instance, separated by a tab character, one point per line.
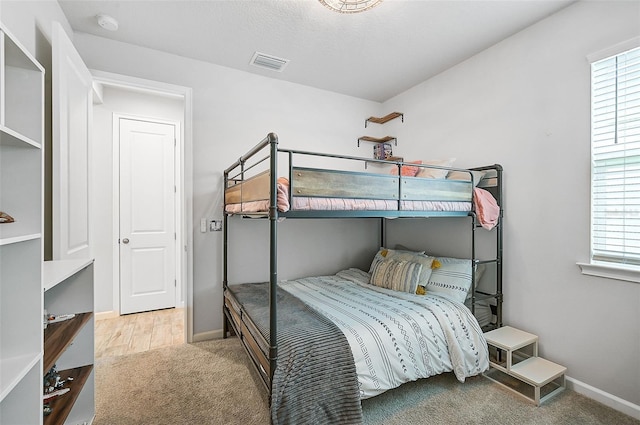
382	151
6	218
53	386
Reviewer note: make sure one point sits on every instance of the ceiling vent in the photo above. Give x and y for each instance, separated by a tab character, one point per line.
269	62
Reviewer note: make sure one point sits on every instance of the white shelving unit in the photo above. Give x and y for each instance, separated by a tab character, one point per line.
68	286
27	286
515	364
21	247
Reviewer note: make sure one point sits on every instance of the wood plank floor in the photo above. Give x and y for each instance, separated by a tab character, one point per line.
133	333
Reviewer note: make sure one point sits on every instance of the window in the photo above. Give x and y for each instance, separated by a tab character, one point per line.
615	153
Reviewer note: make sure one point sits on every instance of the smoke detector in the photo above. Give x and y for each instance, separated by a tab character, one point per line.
107	22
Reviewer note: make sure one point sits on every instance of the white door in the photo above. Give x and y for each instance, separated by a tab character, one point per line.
147	216
72	106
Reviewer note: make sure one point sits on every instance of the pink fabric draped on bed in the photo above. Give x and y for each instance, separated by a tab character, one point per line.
487	208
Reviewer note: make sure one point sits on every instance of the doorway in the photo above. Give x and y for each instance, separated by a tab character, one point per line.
135	333
163	106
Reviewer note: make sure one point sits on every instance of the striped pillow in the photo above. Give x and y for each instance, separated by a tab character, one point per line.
396	275
452	279
387	253
405	255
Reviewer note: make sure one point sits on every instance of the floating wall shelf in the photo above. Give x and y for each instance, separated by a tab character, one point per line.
377	140
385	119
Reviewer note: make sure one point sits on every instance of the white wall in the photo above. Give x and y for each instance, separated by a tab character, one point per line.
525	103
232	112
116	101
29	21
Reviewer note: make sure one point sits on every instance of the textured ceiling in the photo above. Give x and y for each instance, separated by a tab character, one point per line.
371	55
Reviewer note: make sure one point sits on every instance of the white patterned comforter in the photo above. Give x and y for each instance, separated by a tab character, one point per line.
396	337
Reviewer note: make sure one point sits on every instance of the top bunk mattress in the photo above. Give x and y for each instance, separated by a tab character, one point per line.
315	203
316	191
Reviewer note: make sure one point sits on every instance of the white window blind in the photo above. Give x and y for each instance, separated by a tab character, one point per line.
615	150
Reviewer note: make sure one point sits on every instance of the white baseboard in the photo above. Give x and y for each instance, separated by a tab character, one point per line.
205	336
106	315
605	398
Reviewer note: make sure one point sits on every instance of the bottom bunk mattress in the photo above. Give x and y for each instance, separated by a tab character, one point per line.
392	337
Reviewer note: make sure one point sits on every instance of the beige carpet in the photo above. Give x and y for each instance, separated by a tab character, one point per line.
202	383
212	382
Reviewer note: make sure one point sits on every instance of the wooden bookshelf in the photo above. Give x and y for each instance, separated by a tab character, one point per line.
69	345
61	406
58	336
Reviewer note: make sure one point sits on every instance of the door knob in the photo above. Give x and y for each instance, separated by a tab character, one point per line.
125	241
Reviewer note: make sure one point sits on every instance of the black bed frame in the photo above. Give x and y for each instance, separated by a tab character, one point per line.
236	321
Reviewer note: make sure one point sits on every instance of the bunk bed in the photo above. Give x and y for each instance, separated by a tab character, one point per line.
299	334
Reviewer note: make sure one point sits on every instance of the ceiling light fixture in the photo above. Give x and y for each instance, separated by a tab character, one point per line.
107	22
349	6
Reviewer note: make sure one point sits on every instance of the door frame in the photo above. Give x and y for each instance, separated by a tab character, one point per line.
177	160
184	213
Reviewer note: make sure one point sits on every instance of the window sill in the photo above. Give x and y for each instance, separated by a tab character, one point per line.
618	272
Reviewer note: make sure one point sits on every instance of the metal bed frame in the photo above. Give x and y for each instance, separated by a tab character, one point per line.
235	319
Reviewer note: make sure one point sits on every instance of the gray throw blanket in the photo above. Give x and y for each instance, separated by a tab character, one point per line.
315	380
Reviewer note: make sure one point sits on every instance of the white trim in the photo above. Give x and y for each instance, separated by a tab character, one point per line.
115	213
605	398
206	336
146	86
614	50
98	93
106	315
186	174
611	271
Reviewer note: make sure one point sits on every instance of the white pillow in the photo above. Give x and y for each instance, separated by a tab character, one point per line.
435	173
462	175
452	279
